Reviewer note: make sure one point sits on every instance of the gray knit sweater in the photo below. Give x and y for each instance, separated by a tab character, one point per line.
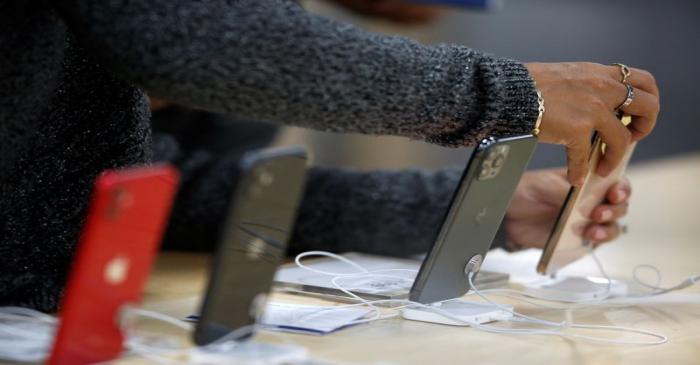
72	77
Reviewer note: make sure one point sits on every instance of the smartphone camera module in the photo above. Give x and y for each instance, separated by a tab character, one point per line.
493	162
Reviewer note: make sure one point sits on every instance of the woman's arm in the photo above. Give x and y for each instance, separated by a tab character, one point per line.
271	60
395	213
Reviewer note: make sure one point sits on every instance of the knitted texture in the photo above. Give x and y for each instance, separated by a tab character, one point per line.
93	122
395	213
69	109
269	60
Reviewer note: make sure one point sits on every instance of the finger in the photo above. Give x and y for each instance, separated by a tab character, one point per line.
644	107
552	184
641	127
640	79
606	213
602	232
577	154
644	103
617	138
619	193
644	80
645	110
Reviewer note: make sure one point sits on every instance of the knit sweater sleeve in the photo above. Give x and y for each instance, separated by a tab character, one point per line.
395	213
271	60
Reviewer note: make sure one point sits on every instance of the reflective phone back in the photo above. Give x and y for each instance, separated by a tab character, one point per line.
475	214
253	242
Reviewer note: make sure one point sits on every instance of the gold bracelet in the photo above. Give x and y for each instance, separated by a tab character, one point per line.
540	102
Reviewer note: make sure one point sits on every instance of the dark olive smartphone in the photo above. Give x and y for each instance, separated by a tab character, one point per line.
478	206
253	242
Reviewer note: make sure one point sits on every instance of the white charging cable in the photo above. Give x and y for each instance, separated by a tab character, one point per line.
598	299
555	328
26	335
227	349
605	299
152	346
656	289
661	339
362	273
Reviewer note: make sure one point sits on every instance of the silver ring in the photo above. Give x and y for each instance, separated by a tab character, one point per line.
624	70
628	99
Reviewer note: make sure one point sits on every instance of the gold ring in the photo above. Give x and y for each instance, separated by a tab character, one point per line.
624	70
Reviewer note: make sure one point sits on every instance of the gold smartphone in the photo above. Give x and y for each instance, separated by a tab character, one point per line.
566	244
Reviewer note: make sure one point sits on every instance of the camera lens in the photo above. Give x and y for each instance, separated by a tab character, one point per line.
498	161
266	178
485	171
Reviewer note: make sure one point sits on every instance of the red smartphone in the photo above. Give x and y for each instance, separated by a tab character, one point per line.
126	218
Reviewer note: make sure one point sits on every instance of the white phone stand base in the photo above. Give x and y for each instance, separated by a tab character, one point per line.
249	353
467	311
575	289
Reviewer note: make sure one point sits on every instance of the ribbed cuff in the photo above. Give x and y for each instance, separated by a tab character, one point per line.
518	99
497	98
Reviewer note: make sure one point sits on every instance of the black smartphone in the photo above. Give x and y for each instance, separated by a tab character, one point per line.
253	242
478	206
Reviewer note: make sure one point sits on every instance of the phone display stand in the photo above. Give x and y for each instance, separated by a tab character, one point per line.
463	309
249	353
575	288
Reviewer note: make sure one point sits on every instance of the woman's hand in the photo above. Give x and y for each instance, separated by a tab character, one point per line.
538	200
581	98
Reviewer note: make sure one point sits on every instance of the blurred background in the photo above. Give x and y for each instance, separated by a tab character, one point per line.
660	36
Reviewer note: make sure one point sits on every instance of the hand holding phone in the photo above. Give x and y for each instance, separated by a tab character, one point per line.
566	243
